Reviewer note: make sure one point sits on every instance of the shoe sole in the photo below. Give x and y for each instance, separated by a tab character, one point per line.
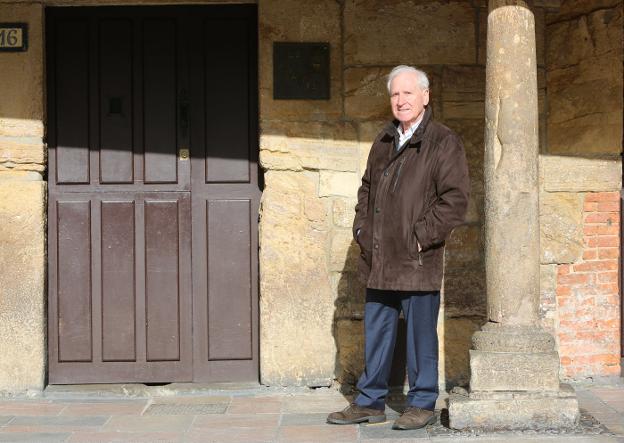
370	419
431	421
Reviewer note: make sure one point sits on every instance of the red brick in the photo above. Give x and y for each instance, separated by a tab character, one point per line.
602	196
563	291
573	279
565	361
601	230
608	288
596	265
604	253
613	206
603	241
563	269
590	254
590	206
608	324
607	277
603	217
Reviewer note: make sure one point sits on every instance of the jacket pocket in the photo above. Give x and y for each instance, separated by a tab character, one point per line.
412	247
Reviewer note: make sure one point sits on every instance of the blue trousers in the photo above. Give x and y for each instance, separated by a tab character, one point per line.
381	317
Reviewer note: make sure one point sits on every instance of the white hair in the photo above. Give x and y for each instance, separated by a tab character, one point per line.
423	80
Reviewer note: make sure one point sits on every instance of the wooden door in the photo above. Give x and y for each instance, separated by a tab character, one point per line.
121	203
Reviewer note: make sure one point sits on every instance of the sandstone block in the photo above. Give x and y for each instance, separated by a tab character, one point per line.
291	20
464	291
506	371
455	346
463	248
577	174
343	184
22	285
513	411
343	212
366	94
295	283
449	27
349	336
344	251
548	297
22	88
561	227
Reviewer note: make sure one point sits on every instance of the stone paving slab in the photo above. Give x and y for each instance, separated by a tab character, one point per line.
257	416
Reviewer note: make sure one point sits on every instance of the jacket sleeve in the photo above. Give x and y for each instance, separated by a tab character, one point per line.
361	209
452	185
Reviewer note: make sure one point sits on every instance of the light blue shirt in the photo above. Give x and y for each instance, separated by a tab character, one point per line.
405	136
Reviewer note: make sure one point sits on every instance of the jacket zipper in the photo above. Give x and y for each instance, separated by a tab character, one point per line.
398	174
419	258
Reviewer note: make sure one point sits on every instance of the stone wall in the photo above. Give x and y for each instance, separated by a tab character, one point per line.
22	208
314	153
581	180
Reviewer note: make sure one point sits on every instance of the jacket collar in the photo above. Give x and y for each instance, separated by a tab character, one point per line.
390	131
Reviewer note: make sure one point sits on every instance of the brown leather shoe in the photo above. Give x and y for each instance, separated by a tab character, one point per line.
353	414
414	418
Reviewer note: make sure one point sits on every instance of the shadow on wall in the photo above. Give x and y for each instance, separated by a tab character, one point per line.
461	313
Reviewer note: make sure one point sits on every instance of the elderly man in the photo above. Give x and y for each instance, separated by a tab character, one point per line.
413	193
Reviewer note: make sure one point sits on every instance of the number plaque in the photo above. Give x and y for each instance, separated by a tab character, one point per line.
13	37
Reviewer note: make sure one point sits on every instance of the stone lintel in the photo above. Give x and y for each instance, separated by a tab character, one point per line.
508	371
511	411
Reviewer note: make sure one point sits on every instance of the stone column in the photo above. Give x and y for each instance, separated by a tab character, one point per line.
514	366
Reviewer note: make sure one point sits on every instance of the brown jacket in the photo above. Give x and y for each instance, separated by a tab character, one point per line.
416	195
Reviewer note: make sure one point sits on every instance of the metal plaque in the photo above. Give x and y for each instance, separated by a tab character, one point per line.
13	37
300	71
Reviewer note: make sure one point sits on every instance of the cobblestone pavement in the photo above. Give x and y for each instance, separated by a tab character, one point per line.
254	414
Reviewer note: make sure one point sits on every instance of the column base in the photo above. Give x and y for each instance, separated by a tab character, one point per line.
509	410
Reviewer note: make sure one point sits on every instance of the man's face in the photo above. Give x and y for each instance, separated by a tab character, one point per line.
407	99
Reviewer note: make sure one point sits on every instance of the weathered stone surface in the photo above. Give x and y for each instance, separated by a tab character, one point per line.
561	227
338	184
511	165
296	146
463	92
471	133
514	371
344	251
463	248
291	20
464	291
22	101
513	411
548	297
349	336
496	338
577	174
568	9
585	83
22	153
454	348
449	27
366	95
350	297
295	287
22	285
343	212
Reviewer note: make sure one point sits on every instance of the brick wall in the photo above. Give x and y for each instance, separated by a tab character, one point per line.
588	300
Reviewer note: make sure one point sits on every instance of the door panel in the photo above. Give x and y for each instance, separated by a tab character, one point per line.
229	280
115	80
118	282
159	61
153	266
74	281
72	96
